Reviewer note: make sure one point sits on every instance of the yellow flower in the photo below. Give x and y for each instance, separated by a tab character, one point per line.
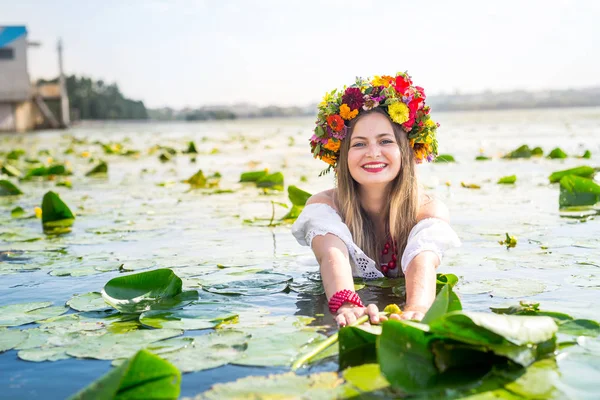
326	99
429	123
398	112
38	212
346	113
333	145
381	80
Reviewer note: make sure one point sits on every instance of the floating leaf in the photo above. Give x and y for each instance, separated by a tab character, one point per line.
17	212
144	376
356	346
135	293
482	158
587	154
470	185
198	180
253	176
522	152
446	301
509	242
445	158
11	171
186	319
324	385
308	287
537	151
577	191
101	168
25	313
580	327
273	181
507	180
583	171
11	338
8	189
507	288
259	284
297	196
191	149
557	153
40	354
91	301
56	215
366	378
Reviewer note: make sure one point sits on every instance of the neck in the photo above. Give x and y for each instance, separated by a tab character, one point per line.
374	200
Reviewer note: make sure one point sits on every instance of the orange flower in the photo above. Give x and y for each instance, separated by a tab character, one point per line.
333	145
329	160
335	122
346	113
384	80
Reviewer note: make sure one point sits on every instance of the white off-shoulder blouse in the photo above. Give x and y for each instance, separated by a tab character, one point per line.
430	234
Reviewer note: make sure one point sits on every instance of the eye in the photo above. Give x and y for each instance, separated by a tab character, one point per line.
387	141
358	144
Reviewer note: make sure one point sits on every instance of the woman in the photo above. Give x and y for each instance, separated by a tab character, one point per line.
376	222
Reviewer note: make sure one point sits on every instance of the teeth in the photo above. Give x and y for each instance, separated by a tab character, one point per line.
374	166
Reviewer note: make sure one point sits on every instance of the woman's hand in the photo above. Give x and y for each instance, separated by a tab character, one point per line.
347	314
415	313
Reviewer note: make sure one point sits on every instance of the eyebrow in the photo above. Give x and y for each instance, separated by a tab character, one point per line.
378	136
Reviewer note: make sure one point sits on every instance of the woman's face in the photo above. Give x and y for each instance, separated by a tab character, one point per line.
374	153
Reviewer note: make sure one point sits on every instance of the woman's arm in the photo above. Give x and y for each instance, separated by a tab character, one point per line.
336	273
421	272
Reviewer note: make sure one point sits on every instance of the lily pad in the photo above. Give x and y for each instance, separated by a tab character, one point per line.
100	168
26	313
186	319
507	288
40	354
583	171
511	179
557	153
522	152
135	293
91	301
257	285
578	191
144	376
445	158
297	196
56	215
324	385
273	181
11	338
8	189
366	378
253	176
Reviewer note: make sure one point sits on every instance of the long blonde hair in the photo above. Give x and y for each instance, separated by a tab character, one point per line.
401	210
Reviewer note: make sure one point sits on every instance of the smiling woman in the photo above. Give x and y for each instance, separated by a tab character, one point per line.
376	222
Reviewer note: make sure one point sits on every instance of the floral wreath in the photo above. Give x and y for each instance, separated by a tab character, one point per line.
403	102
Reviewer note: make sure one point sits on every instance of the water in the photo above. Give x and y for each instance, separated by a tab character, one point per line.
144	216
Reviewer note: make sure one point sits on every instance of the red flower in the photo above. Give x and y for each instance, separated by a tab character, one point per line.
415	104
354	98
401	84
335	122
421	91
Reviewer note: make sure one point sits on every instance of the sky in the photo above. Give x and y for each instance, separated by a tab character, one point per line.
190	53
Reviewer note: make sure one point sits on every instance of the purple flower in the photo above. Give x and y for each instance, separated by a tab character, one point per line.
338	135
316	139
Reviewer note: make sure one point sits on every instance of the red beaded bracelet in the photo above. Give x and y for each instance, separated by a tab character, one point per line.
344	296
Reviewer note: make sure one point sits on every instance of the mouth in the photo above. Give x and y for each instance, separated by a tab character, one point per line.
374	167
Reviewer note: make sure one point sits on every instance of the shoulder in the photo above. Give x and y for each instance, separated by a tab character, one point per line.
324	197
432	207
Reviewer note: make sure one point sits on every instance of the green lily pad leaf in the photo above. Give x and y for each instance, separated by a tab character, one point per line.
186	319
445	158
118	345
11	171
522	152
587	154
356	346
446	301
56	214
445	279
273	181
276	350
506	288
8	189
537	151
578	191
293	214
35	338
580	327
557	153
144	376
297	196
91	301
531	308
101	168
385	282
199	180
191	149
253	176
259	284
324	385
49	353
482	158
136	293
26	313
11	338
209	351
366	378
15	154
583	171
17	212
507	180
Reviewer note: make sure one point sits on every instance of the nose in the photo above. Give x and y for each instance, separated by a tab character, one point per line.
373	151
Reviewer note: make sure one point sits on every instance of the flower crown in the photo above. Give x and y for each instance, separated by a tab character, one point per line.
403	102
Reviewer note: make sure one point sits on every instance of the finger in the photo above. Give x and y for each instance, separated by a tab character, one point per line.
373	313
417	316
341	320
350	318
383	318
396	317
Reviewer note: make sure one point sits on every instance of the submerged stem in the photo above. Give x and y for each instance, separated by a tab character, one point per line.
324	345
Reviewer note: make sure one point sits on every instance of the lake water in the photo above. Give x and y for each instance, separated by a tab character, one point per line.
142	216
